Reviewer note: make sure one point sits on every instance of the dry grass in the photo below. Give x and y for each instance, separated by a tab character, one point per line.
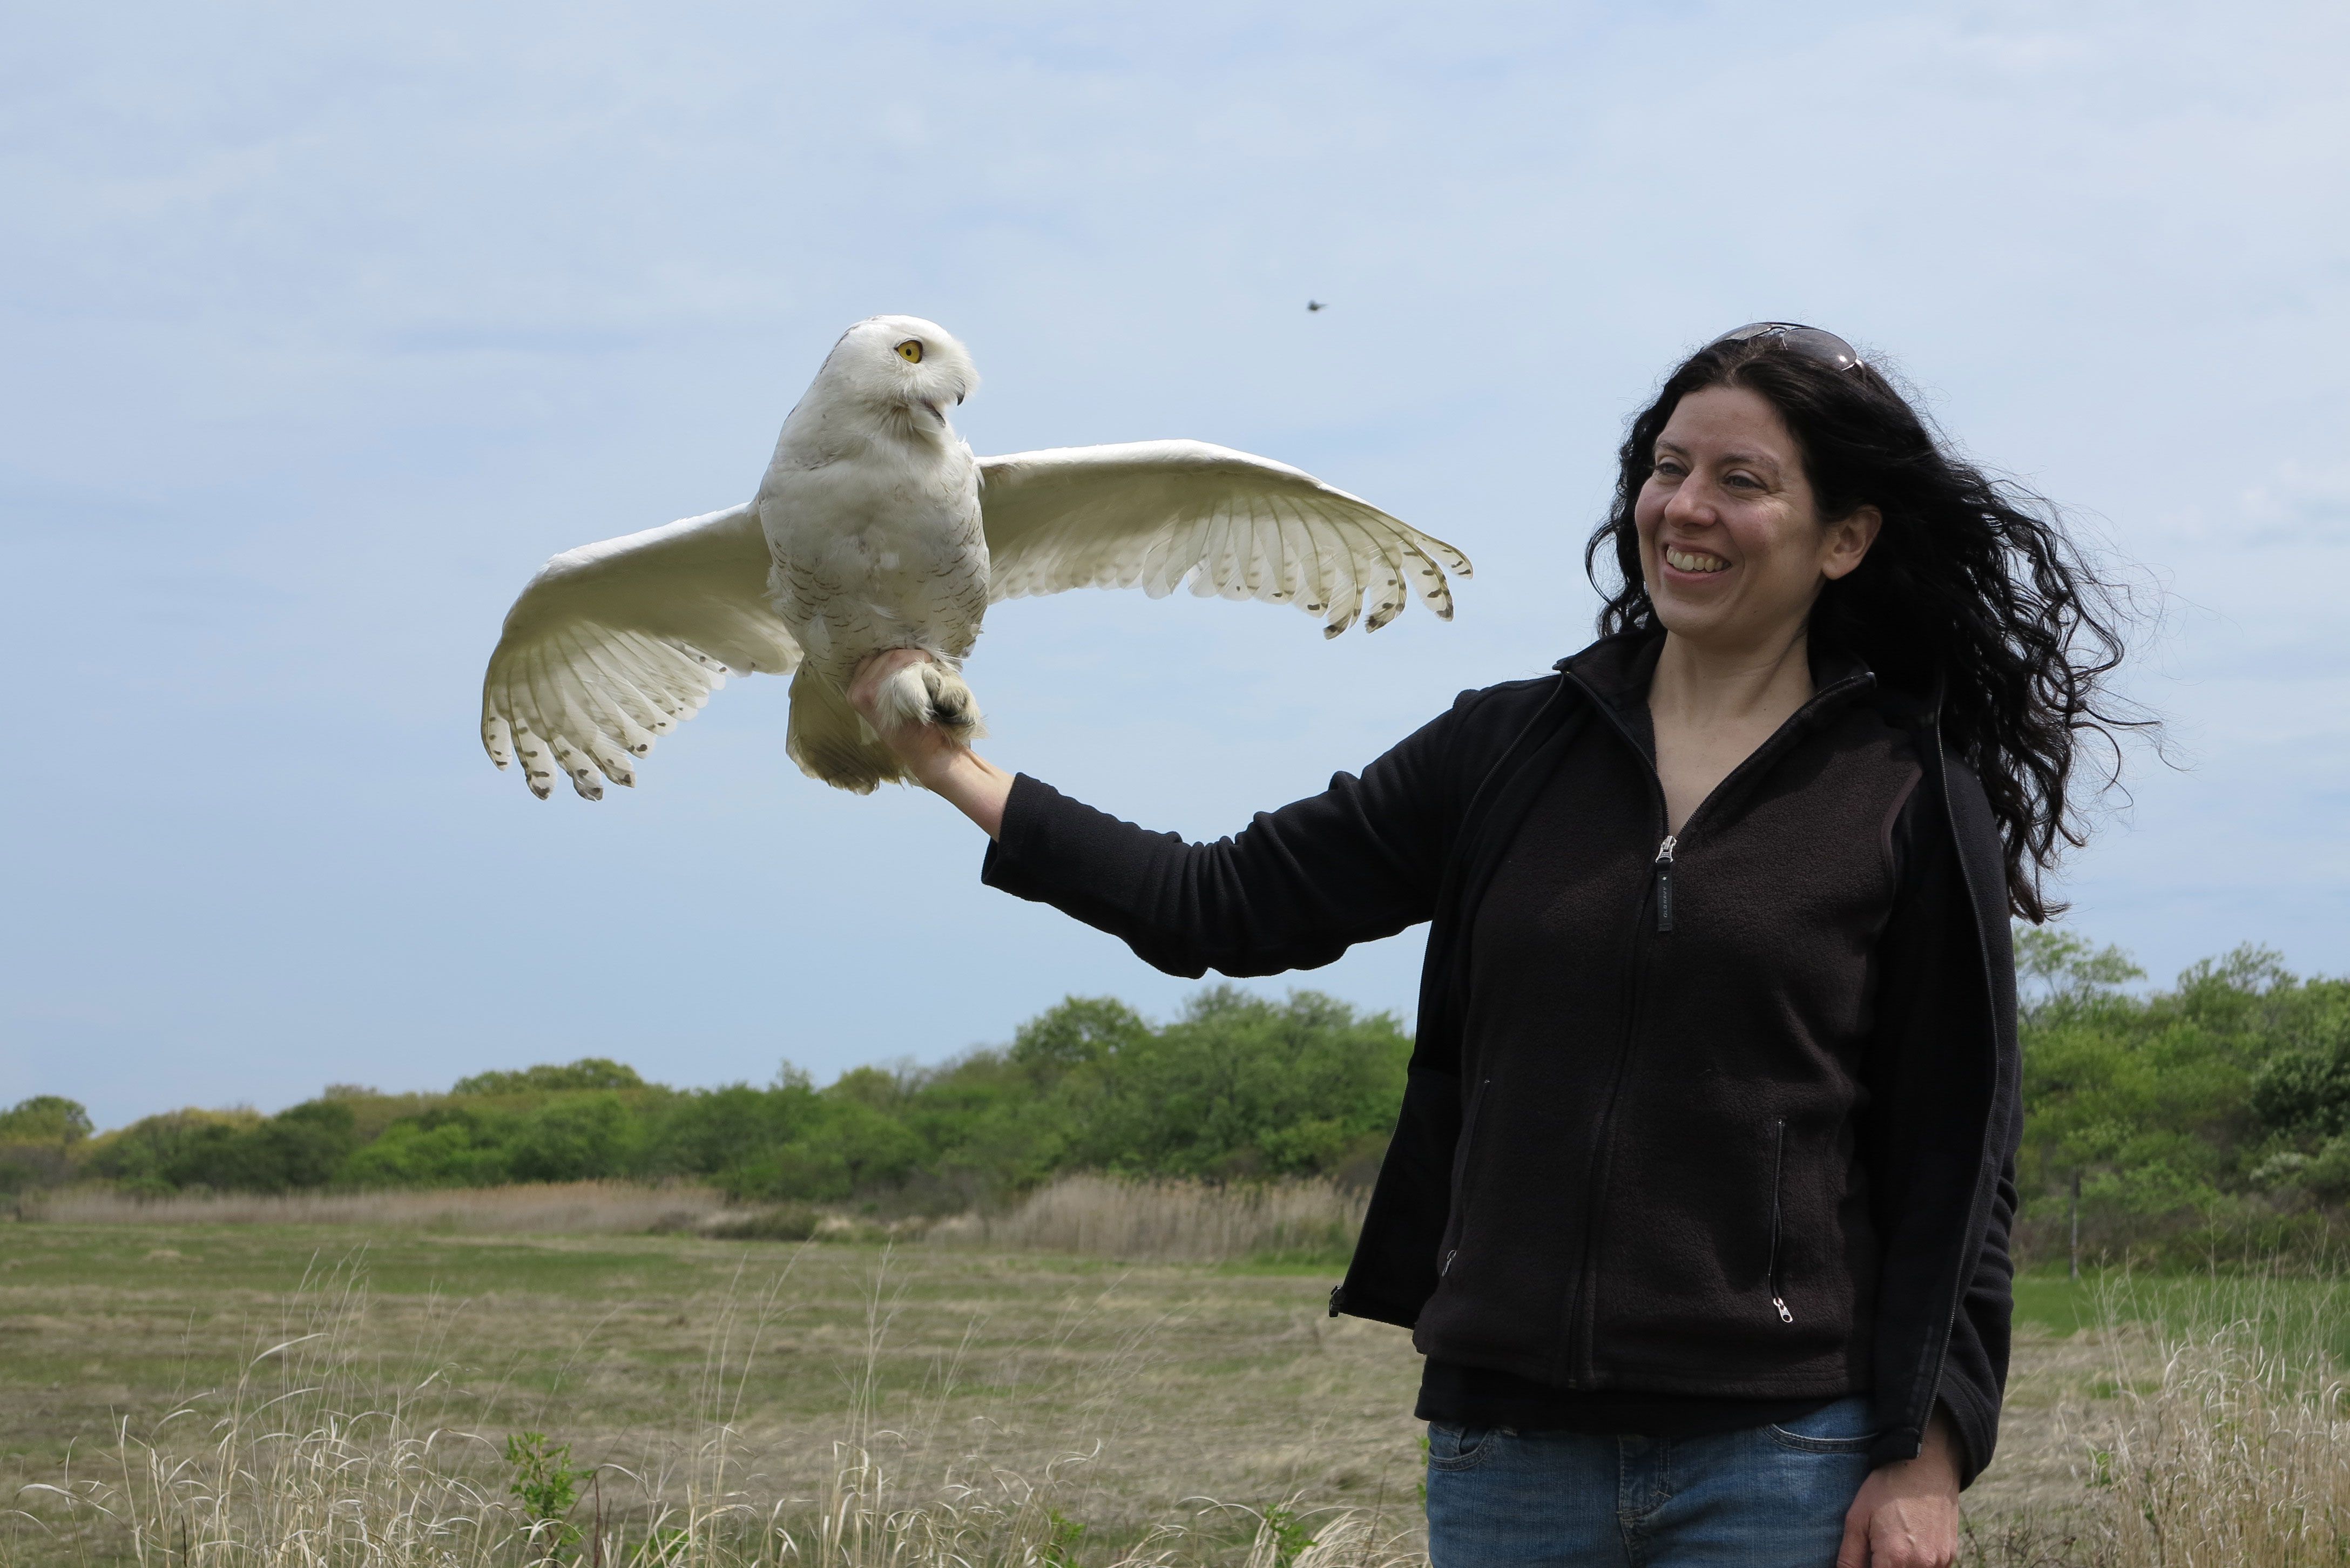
1116	1393
2237	1456
318	1454
572	1207
961	1403
2202	1422
1170	1221
1086	1215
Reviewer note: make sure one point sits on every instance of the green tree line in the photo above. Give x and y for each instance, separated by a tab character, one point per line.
1236	1087
2214	1113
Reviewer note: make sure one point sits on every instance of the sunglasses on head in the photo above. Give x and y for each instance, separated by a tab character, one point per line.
1809	341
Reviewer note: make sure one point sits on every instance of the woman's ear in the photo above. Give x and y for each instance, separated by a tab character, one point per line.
1845	543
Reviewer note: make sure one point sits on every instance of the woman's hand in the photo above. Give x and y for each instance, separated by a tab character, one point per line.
1907	1513
945	767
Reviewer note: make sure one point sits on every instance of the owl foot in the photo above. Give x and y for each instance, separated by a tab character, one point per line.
953	707
931	693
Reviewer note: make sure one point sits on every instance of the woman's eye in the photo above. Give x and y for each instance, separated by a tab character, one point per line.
910	350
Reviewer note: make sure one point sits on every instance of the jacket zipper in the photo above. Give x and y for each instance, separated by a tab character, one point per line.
1460	1172
1583	1310
1664	863
1778	1190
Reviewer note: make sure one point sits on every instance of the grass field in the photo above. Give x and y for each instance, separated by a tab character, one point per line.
1184	1381
1178	1383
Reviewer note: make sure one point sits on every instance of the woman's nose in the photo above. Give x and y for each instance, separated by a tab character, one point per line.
1689	502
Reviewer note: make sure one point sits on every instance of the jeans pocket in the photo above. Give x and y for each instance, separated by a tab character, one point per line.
1841	1427
1451	1447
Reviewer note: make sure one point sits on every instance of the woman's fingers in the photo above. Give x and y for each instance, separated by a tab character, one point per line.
1852	1551
938	762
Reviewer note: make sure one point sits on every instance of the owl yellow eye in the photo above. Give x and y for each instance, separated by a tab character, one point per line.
910	350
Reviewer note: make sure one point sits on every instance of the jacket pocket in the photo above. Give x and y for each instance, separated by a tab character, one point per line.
1452	1244
1772	1279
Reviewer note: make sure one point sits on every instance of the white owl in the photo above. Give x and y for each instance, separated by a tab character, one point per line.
876	528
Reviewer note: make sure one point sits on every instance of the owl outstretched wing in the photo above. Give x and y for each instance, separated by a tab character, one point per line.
1150	514
613	644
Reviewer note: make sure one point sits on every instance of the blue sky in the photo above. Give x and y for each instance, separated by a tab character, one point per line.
325	325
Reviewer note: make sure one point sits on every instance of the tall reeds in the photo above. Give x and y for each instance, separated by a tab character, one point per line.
2237	1452
298	1462
1138	1220
1170	1221
574	1206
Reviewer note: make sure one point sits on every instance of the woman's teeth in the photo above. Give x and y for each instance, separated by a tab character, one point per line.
1694	561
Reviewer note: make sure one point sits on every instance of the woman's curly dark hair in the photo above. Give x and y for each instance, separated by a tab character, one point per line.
1971	590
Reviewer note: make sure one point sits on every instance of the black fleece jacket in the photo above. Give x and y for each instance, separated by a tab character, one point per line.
1752	1187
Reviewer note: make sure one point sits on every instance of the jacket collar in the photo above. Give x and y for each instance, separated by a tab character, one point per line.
1616	670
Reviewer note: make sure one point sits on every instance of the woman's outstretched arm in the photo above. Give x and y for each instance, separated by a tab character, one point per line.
973	784
1292	890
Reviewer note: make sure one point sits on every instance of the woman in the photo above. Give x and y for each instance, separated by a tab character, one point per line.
1699	1200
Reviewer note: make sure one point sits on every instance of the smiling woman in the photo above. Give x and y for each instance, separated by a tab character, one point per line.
1732	540
1699	1193
1972	597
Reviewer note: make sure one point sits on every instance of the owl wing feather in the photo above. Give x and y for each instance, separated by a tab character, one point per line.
614	644
1152	515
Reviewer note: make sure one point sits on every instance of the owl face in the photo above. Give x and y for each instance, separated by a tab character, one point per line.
904	361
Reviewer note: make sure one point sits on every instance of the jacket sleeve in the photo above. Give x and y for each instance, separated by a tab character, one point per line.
1974	1372
1293	891
1939	1134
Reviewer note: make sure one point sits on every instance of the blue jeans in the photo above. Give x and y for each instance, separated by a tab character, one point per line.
1768	1497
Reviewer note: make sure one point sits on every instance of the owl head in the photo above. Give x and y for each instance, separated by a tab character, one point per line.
902	362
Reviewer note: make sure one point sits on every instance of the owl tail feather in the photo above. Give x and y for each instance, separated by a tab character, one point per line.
830	743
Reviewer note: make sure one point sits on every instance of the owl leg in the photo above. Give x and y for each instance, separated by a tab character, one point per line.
953	707
931	693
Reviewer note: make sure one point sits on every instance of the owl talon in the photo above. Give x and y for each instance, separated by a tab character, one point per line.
951	706
931	693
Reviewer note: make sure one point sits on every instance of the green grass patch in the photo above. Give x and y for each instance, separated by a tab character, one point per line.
1327	1262
2298	1317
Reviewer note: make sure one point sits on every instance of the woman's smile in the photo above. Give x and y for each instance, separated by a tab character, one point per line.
1696	563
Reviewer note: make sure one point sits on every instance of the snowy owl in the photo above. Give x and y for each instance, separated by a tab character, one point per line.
876	528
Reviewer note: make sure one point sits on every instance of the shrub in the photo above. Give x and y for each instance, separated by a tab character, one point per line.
577	1139
38	1140
588	1073
2306	1091
2194	1119
1242	1086
45	1120
451	1147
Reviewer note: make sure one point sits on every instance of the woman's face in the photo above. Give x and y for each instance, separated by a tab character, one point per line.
1731	543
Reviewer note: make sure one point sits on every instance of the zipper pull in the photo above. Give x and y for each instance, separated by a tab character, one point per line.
1784	1315
1664	863
1446	1267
